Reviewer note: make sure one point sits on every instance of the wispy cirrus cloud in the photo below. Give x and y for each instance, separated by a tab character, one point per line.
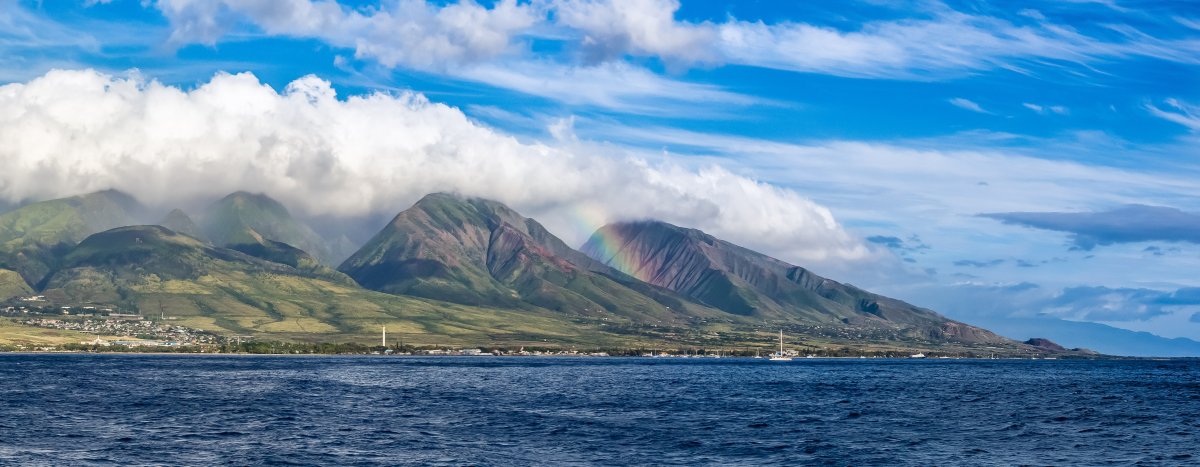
931	42
1178	111
464	40
29	41
609	85
968	105
1046	109
410	33
936	42
908	178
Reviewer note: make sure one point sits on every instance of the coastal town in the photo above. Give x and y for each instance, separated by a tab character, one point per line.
111	326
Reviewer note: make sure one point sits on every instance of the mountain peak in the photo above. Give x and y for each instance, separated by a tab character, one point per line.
111	193
479	208
244	218
254	203
440	196
134	244
180	222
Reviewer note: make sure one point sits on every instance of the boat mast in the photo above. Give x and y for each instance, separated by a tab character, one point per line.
383	338
780	342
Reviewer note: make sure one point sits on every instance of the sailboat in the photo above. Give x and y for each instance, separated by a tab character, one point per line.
781	357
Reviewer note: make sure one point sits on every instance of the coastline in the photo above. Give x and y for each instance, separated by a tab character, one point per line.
587	357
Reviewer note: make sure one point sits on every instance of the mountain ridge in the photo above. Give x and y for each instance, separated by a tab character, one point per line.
747	283
464	263
151	268
480	252
33	237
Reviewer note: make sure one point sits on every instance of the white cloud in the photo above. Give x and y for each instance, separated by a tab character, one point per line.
612	85
614	28
76	131
891	181
410	33
1043	109
967	104
22	29
936	43
936	188
464	40
1177	111
940	42
1190	23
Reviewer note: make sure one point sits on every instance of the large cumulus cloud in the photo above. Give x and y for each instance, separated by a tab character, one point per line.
76	131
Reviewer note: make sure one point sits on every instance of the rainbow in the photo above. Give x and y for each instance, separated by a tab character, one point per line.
590	219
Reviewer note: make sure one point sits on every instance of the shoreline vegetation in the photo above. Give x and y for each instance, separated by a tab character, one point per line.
46	333
351	348
552	353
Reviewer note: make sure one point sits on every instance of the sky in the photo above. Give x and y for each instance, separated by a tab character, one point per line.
989	160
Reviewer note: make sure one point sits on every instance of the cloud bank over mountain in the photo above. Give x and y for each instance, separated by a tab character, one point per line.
76	131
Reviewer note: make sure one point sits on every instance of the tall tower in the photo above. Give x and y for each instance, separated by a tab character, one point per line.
383	339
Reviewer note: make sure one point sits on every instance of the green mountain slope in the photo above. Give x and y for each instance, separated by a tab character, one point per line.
12	285
288	255
150	268
746	283
33	237
480	252
180	222
253	219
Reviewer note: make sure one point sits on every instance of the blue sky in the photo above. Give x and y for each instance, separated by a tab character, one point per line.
927	130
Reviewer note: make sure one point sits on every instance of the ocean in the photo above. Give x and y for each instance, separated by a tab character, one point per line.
85	409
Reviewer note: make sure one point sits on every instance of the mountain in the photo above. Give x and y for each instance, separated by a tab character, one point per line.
245	218
747	283
152	270
451	269
480	252
1101	338
1044	343
282	253
34	236
180	222
12	285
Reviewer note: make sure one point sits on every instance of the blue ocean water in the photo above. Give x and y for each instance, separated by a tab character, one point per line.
246	410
